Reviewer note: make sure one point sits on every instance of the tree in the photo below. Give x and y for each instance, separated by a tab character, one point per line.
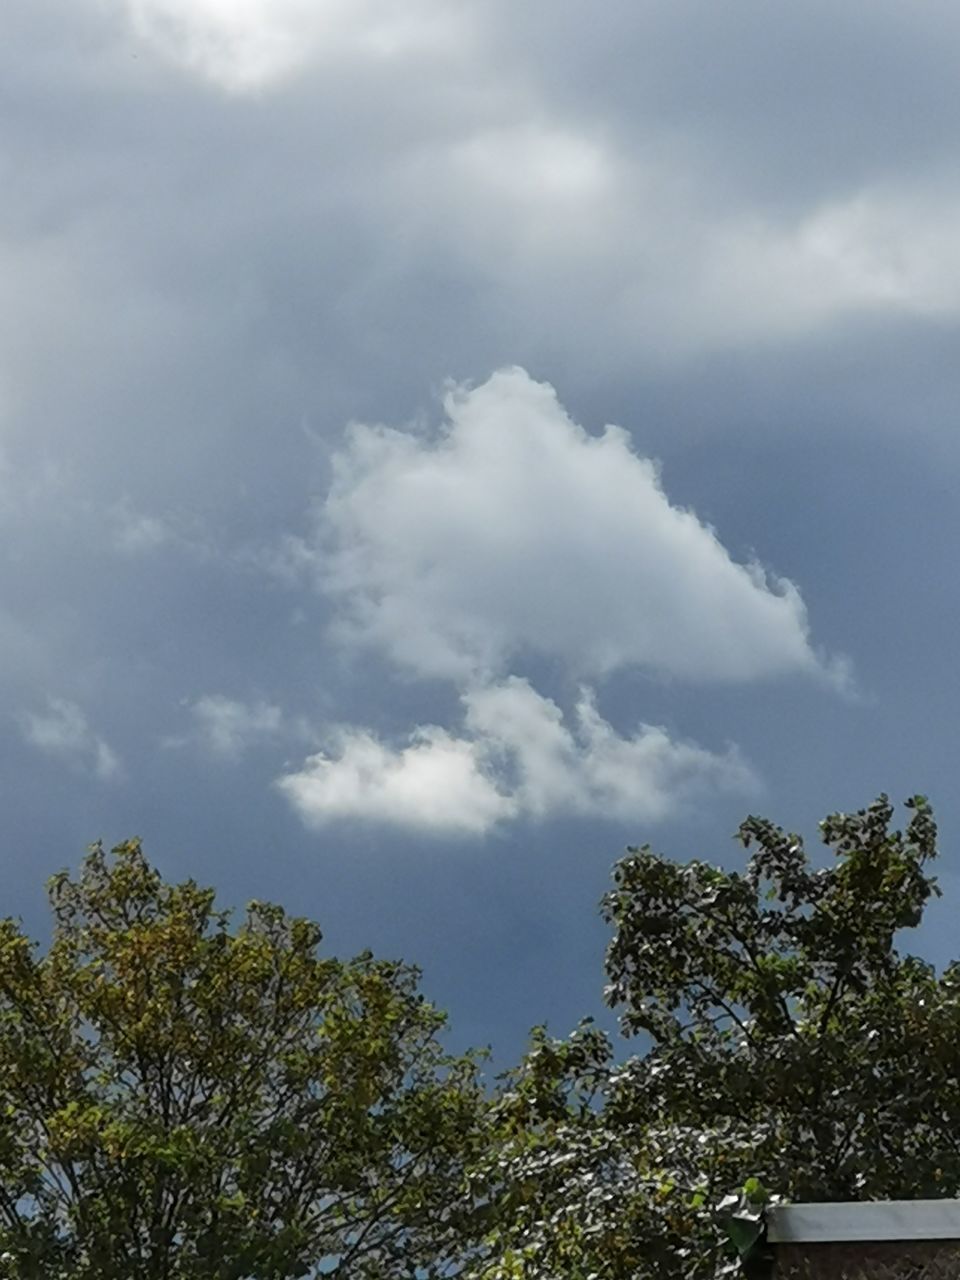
184	1098
791	1049
188	1099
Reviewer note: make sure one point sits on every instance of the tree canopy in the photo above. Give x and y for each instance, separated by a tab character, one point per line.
791	1049
187	1096
182	1097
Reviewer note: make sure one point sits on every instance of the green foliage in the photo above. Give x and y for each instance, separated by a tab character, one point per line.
791	1047
184	1098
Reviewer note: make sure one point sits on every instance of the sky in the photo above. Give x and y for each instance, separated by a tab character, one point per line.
444	444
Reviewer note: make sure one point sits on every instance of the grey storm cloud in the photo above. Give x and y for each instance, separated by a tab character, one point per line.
570	197
230	231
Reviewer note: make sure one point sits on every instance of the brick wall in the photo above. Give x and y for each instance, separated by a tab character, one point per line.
869	1260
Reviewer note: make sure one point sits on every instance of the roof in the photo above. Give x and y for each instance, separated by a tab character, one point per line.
864	1220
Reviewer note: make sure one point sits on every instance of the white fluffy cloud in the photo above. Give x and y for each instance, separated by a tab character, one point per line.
63	730
227	727
512	534
515	758
134	532
882	250
513	531
245	45
590	768
548	210
435	783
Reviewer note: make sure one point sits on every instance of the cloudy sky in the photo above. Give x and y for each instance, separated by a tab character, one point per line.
443	443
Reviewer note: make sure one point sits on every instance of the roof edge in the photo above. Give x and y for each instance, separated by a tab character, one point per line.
864	1220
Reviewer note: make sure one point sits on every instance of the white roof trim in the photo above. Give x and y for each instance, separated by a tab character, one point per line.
864	1220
